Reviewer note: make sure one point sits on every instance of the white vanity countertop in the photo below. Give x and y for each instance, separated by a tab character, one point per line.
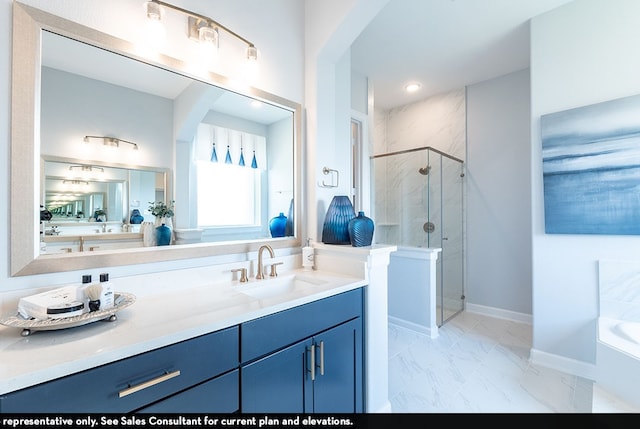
154	320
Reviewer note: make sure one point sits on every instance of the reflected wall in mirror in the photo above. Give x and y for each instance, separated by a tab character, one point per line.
87	83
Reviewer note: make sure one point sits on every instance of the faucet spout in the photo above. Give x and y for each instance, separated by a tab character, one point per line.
260	274
81	244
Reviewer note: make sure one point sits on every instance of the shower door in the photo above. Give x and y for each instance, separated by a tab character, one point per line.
445	230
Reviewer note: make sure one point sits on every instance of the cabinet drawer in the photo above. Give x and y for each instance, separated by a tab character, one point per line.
134	382
266	334
220	395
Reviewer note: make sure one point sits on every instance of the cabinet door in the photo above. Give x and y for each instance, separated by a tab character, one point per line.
337	387
276	383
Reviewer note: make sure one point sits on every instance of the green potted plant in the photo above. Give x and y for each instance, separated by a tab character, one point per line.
161	210
163	213
100	215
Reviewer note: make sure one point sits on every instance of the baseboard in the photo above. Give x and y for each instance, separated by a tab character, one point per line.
499	313
561	363
431	333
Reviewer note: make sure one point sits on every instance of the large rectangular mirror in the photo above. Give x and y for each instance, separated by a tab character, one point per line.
84	103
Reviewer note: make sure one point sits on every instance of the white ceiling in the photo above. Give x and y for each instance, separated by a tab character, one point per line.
444	45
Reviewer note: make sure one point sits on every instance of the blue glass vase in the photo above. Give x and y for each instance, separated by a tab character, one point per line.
336	221
288	228
277	225
361	230
136	217
163	235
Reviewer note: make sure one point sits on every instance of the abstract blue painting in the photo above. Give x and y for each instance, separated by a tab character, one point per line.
591	168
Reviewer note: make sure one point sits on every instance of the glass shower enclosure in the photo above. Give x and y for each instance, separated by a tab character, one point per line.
417	201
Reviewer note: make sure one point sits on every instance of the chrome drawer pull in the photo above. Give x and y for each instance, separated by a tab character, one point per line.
142	386
313	361
321	357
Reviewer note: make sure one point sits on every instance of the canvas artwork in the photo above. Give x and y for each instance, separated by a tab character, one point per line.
591	168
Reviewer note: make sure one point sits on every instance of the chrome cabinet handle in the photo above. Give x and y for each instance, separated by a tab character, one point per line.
321	357
313	362
133	389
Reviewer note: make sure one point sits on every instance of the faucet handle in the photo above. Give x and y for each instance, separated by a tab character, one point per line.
243	274
273	272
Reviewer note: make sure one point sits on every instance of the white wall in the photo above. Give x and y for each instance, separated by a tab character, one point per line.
74	106
582	53
498	227
331	28
279	39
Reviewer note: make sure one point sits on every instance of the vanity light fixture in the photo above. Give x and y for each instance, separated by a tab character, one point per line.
201	28
75	182
86	168
110	141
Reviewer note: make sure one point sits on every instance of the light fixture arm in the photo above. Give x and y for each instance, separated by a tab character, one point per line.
208	20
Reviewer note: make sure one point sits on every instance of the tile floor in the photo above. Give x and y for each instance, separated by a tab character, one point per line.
480	364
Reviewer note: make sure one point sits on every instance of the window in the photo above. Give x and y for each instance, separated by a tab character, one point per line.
239	159
215	197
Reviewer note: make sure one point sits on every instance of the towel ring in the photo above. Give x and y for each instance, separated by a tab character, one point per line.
327	170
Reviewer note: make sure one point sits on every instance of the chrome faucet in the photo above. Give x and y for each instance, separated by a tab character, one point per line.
81	244
104	227
260	274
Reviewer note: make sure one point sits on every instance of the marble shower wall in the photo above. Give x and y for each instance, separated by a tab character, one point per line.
401	201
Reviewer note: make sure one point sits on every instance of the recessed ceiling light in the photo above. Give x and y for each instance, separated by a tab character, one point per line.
412	87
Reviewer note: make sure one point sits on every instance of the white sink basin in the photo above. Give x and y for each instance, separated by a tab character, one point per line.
274	286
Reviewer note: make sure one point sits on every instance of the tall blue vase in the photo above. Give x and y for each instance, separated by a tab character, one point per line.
288	229
336	221
163	235
277	225
361	230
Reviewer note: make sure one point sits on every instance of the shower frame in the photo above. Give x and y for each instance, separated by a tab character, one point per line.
450	265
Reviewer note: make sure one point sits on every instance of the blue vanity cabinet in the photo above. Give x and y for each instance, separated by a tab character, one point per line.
195	375
308	359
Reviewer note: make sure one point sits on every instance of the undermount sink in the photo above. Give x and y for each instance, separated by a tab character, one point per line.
270	287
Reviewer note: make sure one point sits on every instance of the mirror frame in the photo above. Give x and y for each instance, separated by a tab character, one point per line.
26	169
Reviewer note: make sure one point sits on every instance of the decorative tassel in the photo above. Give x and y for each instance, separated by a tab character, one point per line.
214	155
254	163
241	163
227	160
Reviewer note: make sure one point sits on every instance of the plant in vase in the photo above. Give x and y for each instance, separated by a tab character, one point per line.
100	215
163	213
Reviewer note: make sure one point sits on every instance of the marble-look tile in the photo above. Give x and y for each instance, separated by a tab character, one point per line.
477	364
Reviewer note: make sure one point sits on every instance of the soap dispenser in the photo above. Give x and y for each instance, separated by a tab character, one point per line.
308	257
107	298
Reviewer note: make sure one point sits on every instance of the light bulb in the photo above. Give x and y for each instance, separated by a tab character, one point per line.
250	67
208	46
154	31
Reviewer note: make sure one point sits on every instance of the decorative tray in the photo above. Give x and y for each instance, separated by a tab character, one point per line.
121	300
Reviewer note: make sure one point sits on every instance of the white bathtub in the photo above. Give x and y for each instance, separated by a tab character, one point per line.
618	358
